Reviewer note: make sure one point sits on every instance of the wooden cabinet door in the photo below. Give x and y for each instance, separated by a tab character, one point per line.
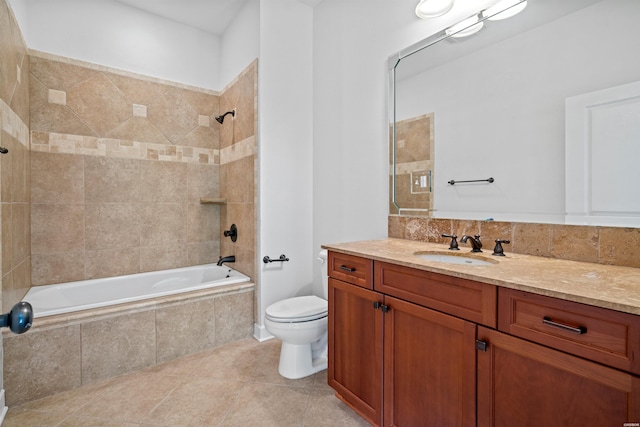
525	384
429	367
355	348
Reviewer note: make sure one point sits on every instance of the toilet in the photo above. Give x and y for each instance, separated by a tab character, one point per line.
301	324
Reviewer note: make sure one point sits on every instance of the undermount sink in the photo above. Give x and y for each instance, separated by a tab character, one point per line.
453	259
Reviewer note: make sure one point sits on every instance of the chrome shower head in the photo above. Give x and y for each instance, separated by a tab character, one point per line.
220	118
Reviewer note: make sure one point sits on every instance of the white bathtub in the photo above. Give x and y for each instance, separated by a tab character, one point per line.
68	297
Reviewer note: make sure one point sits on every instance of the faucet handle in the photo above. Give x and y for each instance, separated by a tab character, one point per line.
498	250
453	246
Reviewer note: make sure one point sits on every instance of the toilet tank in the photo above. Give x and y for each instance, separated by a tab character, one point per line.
324	274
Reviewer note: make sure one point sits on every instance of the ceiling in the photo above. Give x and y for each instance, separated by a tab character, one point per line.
212	16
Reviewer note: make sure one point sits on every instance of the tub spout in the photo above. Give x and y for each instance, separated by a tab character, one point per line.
230	258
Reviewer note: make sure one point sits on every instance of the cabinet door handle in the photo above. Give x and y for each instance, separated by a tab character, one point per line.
576	329
349	269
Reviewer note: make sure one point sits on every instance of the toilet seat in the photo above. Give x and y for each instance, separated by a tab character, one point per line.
298	309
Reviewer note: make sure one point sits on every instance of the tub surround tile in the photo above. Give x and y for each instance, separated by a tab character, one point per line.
57	228
64	182
111	226
57	268
121	261
161	257
110	180
32	363
185	329
111	347
233	318
20	233
163	182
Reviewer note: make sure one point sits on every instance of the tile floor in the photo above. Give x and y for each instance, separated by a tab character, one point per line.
232	385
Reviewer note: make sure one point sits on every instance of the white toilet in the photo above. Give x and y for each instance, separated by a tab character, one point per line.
301	324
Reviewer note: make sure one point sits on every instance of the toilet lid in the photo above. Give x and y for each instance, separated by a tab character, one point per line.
298	309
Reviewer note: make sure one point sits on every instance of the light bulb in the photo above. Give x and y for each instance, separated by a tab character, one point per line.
433	8
465	28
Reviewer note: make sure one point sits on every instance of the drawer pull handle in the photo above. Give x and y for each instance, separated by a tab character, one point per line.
577	329
349	269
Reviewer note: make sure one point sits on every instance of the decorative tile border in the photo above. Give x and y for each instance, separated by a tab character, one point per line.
109	147
13	125
239	150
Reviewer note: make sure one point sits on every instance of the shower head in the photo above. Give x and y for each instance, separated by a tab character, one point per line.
220	119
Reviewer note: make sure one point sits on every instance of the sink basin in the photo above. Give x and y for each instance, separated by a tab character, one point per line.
453	259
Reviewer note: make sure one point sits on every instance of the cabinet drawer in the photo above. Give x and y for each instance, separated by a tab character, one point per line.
462	298
351	269
605	336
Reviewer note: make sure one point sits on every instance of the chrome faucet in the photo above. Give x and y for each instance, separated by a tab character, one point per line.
476	244
230	258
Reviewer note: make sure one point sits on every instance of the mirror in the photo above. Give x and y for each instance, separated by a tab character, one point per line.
542	110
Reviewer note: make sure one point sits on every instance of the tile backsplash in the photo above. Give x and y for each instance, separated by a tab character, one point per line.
596	244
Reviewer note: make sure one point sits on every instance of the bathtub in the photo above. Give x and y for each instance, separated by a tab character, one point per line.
49	300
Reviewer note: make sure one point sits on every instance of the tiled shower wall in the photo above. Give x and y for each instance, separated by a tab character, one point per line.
14	166
119	165
238	159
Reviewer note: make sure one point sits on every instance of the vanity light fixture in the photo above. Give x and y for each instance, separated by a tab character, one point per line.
465	28
433	8
504	9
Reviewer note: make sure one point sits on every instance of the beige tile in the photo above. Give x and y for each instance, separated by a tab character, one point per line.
532	239
269	405
267	370
577	243
112	262
234	361
20	236
48	269
201	137
492	230
132	398
19	173
56	228
118	345
14	290
138	91
99	103
203	252
75	421
203	223
204	103
196	403
163	257
325	409
233	317
185	328
31	363
57	178
58	75
111	226
173	115
7	237
620	246
60	119
163	224
163	182
139	129
112	180
202	181
237	181
22	417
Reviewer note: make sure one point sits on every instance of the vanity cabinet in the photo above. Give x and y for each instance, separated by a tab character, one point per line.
398	363
409	347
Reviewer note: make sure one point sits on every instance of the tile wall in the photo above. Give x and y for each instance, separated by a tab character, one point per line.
119	164
414	161
602	245
238	168
15	165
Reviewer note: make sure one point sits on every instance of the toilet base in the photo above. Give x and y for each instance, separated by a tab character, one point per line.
296	361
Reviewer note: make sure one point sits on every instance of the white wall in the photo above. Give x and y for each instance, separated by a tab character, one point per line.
352	42
285	147
240	42
109	33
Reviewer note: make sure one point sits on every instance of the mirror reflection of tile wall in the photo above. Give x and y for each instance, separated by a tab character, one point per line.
414	166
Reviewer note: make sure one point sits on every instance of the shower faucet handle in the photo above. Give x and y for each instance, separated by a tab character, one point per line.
232	233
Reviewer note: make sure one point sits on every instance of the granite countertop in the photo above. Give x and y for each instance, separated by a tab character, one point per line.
606	286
